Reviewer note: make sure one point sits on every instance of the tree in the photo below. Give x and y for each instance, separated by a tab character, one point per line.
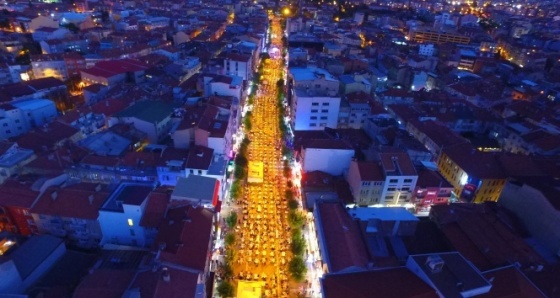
225	289
296	219
230	239
235	190
298	244
297	268
231	220
289	194
293	204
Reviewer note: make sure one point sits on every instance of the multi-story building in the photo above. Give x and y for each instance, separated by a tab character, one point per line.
111	73
19	117
313	98
11	158
329	156
120	215
476	176
240	65
72	213
17	197
150	117
427	35
389	181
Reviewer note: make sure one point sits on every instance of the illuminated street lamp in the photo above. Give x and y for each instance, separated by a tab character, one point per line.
286	11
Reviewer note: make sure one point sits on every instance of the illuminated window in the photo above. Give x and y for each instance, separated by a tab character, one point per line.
130	222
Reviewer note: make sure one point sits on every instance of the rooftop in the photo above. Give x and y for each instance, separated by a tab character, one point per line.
195	188
127	193
149	111
310	74
382	213
389	283
186	232
455	278
345	249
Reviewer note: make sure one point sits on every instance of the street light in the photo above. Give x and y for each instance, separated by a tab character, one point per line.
286	11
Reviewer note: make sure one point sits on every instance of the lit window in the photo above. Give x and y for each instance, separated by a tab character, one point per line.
130	222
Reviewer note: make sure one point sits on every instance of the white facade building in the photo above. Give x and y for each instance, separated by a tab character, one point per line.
426	49
329	156
121	213
314	112
19	117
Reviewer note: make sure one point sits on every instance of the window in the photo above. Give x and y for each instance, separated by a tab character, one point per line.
315	104
324	118
325	104
313	118
132	232
199	172
323	124
393	181
314	111
324	111
130	222
405	189
313	124
5	124
391	189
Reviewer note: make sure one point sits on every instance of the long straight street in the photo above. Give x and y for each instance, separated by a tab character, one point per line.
262	246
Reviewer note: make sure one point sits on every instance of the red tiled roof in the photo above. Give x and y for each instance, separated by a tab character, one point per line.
181	284
510	282
112	68
104	283
16	194
397	162
344	245
72	201
483	234
389	283
186	232
104	161
199	157
482	165
155	209
370	171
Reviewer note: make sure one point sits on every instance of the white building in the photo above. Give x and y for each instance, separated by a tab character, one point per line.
329	156
314	98
426	49
19	117
239	65
121	213
222	85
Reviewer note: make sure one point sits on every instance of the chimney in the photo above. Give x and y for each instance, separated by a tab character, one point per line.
54	195
165	275
90	198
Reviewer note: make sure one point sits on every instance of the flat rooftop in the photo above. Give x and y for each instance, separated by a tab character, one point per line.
129	193
382	213
456	278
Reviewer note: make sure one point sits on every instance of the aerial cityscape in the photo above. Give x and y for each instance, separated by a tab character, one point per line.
279	148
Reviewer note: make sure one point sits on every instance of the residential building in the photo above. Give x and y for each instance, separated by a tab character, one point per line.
17	196
24	262
329	156
120	215
60	66
476	176
540	215
237	64
197	190
444	271
111	73
426	35
389	181
72	213
150	117
341	247
431	189
12	157
221	85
